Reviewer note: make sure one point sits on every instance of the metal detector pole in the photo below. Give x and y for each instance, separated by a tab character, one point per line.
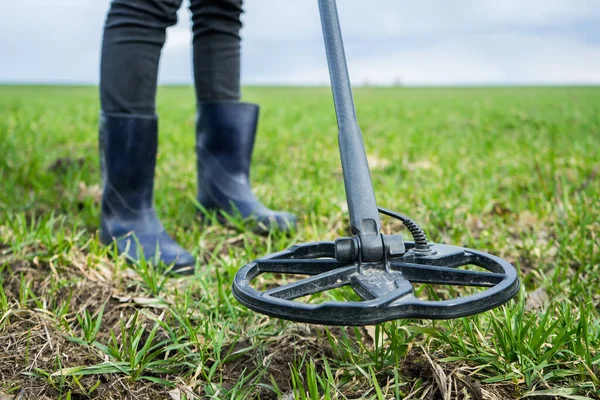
362	207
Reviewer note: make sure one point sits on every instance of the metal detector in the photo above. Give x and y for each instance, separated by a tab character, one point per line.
381	270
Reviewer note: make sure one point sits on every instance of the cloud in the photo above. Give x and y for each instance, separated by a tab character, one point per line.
508	59
417	43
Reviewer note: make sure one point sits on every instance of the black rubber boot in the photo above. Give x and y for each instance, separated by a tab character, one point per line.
225	133
128	145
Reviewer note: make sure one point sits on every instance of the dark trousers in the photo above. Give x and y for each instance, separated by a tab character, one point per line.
134	34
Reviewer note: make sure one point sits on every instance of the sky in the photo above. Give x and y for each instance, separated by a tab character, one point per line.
427	42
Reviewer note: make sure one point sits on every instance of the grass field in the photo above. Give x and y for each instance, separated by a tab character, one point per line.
511	171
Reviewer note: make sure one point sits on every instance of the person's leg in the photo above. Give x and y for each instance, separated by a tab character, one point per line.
216	28
225	127
134	34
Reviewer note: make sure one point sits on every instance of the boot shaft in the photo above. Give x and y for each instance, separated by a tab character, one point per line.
128	146
226	131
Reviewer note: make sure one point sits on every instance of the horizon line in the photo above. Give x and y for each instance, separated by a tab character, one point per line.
327	85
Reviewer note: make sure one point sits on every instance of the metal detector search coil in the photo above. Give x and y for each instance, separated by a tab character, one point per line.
387	293
381	269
